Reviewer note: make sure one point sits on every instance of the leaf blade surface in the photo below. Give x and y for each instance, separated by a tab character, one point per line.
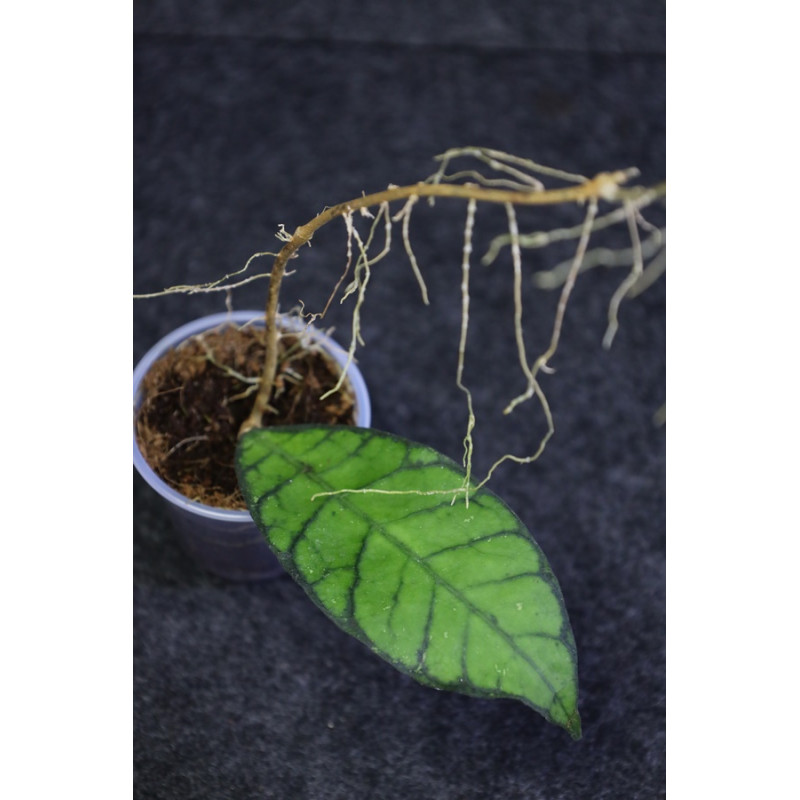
458	597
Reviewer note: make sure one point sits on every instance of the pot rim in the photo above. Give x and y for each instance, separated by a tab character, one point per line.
178	335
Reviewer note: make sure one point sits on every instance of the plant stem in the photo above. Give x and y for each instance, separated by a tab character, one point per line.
605	186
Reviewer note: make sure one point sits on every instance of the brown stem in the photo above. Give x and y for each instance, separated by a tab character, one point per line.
605	185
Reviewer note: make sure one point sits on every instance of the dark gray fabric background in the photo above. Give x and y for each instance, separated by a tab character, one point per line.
245	119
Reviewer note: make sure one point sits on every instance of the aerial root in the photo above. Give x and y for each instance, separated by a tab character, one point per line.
218	285
462	344
627	284
405	215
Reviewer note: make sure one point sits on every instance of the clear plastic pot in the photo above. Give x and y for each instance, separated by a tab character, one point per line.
225	542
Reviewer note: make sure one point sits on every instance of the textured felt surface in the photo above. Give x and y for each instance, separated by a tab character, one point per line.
247	690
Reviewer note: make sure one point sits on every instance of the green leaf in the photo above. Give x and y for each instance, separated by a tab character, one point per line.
458	597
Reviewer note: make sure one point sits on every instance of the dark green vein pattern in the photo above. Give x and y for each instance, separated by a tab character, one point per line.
458	597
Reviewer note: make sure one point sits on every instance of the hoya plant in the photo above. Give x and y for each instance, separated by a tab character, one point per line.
403	548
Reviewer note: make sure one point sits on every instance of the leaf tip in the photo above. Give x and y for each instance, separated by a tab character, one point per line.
573	727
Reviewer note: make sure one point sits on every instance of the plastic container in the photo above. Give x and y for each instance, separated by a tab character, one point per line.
221	541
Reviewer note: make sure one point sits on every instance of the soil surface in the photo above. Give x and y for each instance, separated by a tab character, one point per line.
196	397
